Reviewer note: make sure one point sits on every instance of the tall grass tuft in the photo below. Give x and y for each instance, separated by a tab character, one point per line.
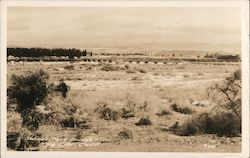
177	108
224	123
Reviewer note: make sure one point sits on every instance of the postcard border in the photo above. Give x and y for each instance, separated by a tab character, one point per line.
245	75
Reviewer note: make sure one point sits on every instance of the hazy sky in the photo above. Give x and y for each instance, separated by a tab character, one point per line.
161	28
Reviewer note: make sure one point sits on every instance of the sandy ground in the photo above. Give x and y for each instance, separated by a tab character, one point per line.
156	86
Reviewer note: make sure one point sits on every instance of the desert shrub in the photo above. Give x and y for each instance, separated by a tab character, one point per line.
108	114
130	70
125	134
65	112
144	122
110	67
69	67
224	123
82	122
186	129
28	90
195	125
127	113
126	66
163	112
69	119
130	108
75	119
177	108
227	94
32	119
68	122
68	114
141	70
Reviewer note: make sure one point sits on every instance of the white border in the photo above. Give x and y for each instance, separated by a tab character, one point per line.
243	4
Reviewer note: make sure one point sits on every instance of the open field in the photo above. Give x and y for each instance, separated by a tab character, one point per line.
149	89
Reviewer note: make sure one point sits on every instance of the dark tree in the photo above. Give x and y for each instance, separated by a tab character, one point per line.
228	93
45	52
28	90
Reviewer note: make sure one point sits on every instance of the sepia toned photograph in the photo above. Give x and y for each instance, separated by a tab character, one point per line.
124	78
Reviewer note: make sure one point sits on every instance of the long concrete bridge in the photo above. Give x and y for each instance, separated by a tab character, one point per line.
132	60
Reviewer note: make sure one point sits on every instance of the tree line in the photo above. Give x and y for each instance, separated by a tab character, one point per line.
42	52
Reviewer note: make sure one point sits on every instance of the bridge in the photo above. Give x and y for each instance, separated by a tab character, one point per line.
131	60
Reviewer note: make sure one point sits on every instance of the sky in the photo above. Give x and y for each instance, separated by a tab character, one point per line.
125	28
